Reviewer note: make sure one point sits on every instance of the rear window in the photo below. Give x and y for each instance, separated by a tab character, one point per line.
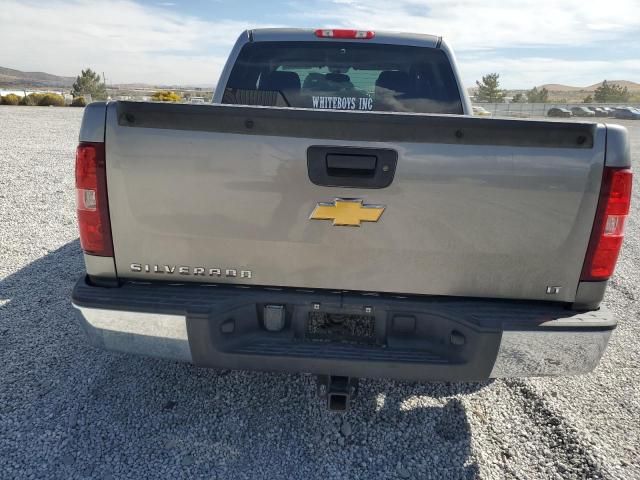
344	76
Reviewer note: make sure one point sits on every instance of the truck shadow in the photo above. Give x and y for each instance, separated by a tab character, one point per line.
123	415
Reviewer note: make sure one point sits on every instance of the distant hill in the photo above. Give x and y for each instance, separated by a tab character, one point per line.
17	78
10	78
569	94
555	87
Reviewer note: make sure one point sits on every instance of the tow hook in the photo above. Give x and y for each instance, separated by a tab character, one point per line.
338	391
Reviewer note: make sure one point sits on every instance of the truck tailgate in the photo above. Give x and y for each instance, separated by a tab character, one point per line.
476	207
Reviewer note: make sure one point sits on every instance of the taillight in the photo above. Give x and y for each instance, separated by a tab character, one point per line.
91	200
344	33
608	228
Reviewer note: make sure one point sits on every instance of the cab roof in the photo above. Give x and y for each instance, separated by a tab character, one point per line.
308	34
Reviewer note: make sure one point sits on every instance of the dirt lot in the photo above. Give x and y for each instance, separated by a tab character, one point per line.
70	411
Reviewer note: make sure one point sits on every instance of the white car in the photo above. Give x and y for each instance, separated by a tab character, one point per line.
481	111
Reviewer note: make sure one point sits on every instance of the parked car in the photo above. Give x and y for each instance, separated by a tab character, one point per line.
599	111
582	112
481	111
559	112
319	267
627	113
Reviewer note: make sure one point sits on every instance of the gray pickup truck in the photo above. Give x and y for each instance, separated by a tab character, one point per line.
338	211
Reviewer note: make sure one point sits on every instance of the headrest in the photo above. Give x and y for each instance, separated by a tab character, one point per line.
314	81
338	77
394	80
280	81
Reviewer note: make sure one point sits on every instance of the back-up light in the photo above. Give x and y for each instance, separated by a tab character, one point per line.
91	200
608	228
343	33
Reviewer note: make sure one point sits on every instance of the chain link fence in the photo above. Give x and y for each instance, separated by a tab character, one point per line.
526	110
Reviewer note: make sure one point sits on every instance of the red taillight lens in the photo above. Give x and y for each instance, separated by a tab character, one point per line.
344	33
608	229
91	200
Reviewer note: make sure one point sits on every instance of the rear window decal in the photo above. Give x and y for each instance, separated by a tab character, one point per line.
343	103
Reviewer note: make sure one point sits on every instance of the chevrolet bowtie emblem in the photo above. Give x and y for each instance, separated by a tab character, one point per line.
347	212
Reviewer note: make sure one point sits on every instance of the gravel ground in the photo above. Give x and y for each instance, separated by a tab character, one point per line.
70	411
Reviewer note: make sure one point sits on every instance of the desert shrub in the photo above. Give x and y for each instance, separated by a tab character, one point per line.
79	102
166	96
51	99
28	100
31	99
11	99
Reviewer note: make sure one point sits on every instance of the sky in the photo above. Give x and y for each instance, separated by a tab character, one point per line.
529	42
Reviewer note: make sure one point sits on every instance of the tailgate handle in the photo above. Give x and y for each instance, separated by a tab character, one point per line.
351	165
336	166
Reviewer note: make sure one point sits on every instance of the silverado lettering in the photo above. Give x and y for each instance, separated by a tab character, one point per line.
186	270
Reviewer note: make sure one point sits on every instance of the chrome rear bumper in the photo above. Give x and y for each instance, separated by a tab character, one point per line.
554	341
151	334
549	353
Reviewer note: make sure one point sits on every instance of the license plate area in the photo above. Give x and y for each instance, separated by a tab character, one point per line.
341	327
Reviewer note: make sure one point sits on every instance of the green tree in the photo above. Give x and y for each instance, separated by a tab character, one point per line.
489	89
518	98
538	96
607	92
166	96
587	99
89	83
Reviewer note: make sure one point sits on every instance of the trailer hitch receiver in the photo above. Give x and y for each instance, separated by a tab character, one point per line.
338	391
